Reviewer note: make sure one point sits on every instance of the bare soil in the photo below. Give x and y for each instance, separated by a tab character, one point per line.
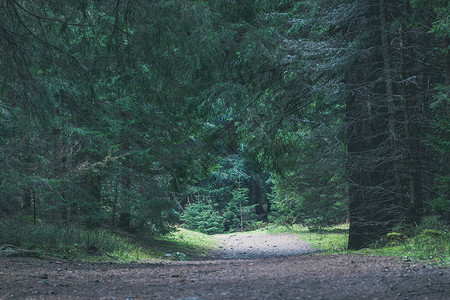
260	245
272	267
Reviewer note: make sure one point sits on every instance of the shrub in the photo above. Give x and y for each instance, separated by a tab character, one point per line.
238	215
431	222
202	216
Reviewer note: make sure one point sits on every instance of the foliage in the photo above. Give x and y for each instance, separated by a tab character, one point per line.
202	216
122	112
102	140
439	140
310	209
233	187
428	241
205	215
68	242
430	247
441	24
101	244
222	179
238	211
431	223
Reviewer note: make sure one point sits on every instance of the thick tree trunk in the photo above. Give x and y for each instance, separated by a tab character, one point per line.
391	107
358	138
125	209
374	169
365	135
359	231
411	97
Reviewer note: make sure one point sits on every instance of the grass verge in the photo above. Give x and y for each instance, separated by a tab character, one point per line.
19	238
196	244
427	245
424	243
329	240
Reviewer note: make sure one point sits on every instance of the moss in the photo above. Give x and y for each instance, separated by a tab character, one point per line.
395	236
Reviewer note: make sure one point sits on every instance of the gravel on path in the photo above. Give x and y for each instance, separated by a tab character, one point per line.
260	245
268	268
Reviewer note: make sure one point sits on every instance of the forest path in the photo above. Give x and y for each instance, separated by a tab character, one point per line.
290	277
260	245
262	272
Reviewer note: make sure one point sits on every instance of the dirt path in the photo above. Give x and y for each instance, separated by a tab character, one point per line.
261	245
305	276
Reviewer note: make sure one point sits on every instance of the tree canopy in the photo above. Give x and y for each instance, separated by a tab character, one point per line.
130	113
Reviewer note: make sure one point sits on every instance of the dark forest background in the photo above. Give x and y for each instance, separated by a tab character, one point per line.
223	114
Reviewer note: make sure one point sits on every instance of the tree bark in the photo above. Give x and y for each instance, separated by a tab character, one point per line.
391	107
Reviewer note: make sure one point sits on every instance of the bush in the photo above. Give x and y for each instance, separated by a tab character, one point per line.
431	222
394	238
313	211
202	216
428	241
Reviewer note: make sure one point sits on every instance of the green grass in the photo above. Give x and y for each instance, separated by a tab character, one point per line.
70	242
101	244
422	243
431	246
190	242
331	239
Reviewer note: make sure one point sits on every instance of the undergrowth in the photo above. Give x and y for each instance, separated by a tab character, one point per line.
100	244
69	242
428	242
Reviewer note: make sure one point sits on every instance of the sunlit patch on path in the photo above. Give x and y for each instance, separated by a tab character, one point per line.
261	245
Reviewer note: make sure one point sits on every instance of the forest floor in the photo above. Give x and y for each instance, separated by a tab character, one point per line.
246	266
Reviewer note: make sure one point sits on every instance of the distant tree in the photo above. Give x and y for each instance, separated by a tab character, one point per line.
201	215
238	211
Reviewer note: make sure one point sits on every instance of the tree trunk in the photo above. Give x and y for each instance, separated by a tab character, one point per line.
447	62
125	209
413	210
34	201
27	199
391	107
126	184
